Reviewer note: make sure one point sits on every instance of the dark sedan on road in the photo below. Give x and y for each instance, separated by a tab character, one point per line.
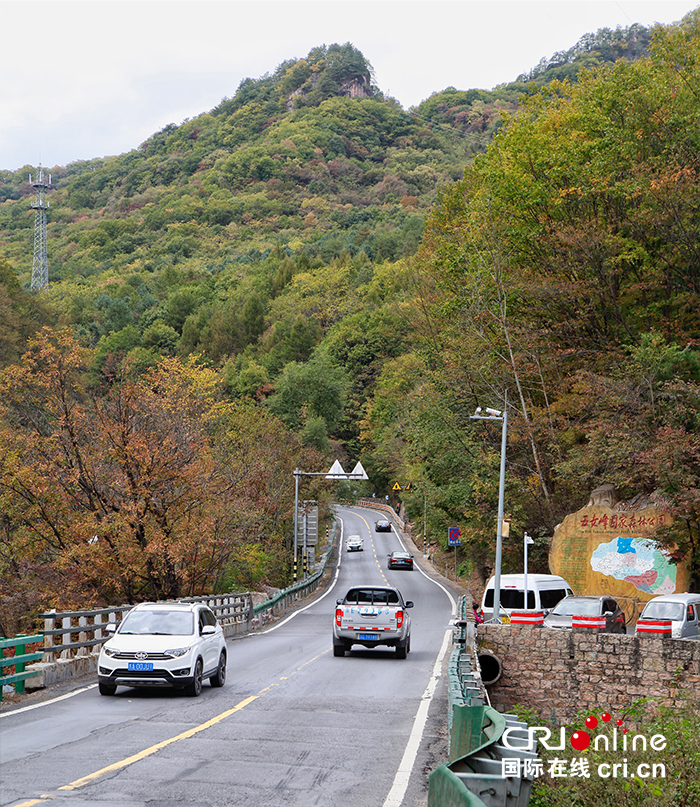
400	560
382	525
561	615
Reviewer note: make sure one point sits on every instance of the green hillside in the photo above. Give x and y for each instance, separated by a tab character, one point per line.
308	260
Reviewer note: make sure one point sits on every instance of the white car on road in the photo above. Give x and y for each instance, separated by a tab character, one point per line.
354	543
164	645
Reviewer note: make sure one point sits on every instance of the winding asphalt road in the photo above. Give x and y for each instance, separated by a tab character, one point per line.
292	726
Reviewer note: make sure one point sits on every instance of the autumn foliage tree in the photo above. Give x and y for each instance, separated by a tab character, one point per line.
562	270
148	490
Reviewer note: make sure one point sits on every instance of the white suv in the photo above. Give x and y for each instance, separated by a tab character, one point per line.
164	645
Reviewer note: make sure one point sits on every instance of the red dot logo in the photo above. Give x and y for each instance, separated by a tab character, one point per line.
591	722
606	717
580	740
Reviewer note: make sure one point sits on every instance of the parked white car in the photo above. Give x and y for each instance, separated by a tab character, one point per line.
164	645
682	609
543	592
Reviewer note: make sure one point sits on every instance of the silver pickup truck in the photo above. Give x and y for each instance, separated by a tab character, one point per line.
372	616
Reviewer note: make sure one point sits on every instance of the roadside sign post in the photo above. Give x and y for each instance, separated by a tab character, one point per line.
335	473
454	538
526	540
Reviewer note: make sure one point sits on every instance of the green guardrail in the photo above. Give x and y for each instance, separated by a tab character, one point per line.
18	661
289	595
473	776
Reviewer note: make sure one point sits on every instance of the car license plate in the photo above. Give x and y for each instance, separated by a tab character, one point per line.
140	666
368	637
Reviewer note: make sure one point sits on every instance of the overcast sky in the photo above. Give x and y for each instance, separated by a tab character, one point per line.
92	78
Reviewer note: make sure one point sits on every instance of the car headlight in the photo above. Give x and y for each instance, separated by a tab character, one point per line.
109	651
177	652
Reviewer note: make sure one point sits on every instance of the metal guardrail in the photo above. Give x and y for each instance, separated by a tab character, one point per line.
18	661
377	505
69	636
474	775
284	599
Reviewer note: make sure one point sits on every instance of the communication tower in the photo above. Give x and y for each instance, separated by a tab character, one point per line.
40	266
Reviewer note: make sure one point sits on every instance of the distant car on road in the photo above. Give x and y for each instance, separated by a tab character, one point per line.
561	615
372	616
173	644
354	543
382	525
400	560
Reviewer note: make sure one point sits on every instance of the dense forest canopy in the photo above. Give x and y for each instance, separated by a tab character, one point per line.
314	273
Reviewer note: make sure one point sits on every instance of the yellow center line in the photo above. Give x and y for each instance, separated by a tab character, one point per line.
374	550
115	766
147	752
34	801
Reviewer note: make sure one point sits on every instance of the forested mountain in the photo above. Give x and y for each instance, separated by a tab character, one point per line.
269	265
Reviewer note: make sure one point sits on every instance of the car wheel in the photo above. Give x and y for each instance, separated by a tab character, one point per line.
195	688
401	652
107	689
338	649
408	645
219	678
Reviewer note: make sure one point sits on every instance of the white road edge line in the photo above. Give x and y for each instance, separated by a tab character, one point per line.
325	594
46	703
403	774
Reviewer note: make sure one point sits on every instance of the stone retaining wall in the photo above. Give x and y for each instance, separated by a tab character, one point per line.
561	673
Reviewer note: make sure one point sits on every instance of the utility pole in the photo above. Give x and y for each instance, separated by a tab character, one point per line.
40	265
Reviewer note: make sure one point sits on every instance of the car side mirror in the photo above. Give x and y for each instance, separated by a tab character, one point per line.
545	611
208	630
339	601
608	613
110	627
408	604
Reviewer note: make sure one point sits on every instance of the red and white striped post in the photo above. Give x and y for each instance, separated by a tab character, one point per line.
527	618
590	622
654	627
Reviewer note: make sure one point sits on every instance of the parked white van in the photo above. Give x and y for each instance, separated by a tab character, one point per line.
682	609
543	592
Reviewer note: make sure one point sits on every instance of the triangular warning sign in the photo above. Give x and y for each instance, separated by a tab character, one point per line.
358	472
396	486
336	472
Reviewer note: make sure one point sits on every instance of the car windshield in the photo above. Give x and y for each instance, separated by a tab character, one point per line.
577	608
664	610
160	623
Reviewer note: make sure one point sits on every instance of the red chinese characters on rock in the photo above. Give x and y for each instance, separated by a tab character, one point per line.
622	521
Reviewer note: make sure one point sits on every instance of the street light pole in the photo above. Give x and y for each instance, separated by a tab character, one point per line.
495	414
297	474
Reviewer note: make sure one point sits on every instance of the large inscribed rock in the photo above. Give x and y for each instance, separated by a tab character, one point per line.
607	550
